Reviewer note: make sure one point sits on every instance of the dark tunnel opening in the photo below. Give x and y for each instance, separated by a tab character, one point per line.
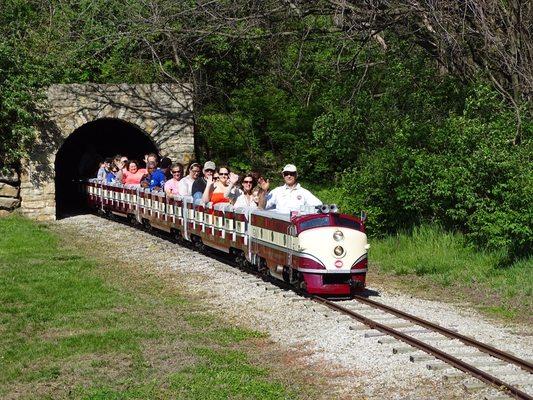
85	148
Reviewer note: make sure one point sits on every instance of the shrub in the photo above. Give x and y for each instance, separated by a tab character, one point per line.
466	175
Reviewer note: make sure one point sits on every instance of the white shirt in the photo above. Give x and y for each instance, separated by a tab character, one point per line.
185	186
285	199
240	199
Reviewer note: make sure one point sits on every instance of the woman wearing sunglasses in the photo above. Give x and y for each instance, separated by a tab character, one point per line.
171	186
215	189
246	196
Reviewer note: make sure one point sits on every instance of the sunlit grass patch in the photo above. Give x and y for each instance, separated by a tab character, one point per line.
225	374
73	326
446	259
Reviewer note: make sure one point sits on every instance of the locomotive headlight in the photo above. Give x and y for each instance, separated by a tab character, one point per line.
338	236
339	251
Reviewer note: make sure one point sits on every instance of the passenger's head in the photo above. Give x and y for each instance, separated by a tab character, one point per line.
123	160
108	162
166	163
133	166
177	171
194	170
216	177
255	195
290	174
223	175
249	182
209	168
151	167
116	160
152	157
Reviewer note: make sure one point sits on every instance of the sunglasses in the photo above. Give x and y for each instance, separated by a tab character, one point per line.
209	170
247	181
289	174
176	172
215	178
223	173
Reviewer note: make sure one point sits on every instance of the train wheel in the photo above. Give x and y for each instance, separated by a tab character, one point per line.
240	259
198	244
262	267
300	283
286	274
201	247
146	225
176	236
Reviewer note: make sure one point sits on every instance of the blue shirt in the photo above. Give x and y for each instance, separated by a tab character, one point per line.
157	178
110	177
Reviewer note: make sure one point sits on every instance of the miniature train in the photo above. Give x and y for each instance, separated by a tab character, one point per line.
318	250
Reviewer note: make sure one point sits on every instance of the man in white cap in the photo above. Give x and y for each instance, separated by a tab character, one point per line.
289	197
200	183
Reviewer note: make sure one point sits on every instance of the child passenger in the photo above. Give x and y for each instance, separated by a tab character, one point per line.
104	169
111	176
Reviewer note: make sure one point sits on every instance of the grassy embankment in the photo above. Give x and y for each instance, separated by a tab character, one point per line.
441	265
74	327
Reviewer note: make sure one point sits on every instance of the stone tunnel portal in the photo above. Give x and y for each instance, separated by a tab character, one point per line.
80	155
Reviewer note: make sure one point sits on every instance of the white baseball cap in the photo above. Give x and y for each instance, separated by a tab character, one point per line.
289	168
210	165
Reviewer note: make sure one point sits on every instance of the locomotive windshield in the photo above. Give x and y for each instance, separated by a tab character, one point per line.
329	220
339	220
315	223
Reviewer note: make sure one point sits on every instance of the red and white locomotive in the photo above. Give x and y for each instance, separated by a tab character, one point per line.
321	251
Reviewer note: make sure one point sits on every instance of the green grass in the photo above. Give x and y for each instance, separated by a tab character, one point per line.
447	260
75	327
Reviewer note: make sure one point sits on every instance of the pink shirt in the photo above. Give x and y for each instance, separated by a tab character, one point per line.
172	186
132	179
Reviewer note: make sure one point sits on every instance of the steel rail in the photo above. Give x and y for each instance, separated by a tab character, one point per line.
502	355
447	358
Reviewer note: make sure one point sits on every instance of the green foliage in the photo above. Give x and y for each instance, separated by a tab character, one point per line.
448	259
384	129
61	42
18	113
464	174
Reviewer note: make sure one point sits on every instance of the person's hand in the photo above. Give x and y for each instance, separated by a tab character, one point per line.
263	184
233	178
210	181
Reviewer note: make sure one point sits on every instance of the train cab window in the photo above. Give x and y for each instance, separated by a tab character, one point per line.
315	223
346	222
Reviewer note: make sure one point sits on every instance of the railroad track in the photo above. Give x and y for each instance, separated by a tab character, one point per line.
449	353
454	358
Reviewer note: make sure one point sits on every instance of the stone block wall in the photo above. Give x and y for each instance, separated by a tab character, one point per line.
162	111
9	191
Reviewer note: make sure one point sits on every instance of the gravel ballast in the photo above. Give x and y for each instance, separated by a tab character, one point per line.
351	355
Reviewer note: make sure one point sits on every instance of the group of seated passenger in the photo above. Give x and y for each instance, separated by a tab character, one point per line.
209	184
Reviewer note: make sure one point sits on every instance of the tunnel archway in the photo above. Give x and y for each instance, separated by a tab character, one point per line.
79	157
